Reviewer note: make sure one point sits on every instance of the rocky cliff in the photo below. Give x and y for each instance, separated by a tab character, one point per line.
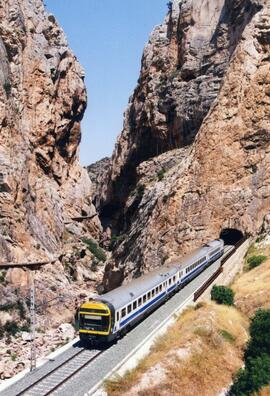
45	195
193	157
43	98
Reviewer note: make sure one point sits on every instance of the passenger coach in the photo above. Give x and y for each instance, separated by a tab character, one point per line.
113	314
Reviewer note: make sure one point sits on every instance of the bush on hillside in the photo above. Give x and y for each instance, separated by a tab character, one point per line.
259	334
222	295
95	249
256	373
253	377
161	174
254	261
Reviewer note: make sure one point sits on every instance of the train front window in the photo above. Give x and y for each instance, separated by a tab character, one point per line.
94	322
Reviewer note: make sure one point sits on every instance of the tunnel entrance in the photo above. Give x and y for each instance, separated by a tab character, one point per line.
231	236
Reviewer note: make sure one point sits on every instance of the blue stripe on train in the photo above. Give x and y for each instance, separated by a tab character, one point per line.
142	309
137	313
200	267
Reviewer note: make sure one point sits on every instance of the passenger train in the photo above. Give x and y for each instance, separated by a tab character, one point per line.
112	314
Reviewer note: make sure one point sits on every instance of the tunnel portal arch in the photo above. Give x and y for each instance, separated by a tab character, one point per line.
231	236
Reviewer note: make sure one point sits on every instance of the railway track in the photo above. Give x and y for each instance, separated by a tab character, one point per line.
51	381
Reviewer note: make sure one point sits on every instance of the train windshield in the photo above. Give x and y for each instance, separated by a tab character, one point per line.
94	322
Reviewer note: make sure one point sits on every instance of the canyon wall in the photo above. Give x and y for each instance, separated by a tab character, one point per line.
193	157
43	98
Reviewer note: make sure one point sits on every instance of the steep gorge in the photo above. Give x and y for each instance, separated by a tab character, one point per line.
193	157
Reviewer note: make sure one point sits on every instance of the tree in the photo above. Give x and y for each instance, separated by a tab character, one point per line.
253	377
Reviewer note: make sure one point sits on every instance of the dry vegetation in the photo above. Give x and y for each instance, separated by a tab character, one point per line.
264	392
198	355
204	348
252	288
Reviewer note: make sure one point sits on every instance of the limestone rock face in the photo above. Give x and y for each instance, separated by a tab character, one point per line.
183	66
96	172
203	101
43	99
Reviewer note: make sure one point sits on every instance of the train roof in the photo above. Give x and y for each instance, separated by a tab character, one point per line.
124	294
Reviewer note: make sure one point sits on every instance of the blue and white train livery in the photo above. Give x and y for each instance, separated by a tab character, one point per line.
114	313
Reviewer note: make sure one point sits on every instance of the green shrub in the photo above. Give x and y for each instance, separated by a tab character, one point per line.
227	336
7	87
253	377
95	249
161	174
94	265
259	334
222	295
140	191
8	306
254	261
260	238
13	356
11	328
21	309
2	276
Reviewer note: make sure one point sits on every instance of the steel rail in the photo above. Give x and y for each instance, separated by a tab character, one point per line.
74	372
40	380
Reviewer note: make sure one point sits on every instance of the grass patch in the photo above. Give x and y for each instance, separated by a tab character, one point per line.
253	251
202	331
227	335
252	288
255	261
97	251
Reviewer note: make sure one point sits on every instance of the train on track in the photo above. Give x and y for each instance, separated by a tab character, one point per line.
112	314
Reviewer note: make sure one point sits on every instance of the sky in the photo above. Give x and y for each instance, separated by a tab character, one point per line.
108	37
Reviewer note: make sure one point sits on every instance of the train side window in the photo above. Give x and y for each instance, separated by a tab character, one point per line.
148	295
129	308
139	301
144	298
117	316
123	313
170	281
156	290
160	288
174	278
134	304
